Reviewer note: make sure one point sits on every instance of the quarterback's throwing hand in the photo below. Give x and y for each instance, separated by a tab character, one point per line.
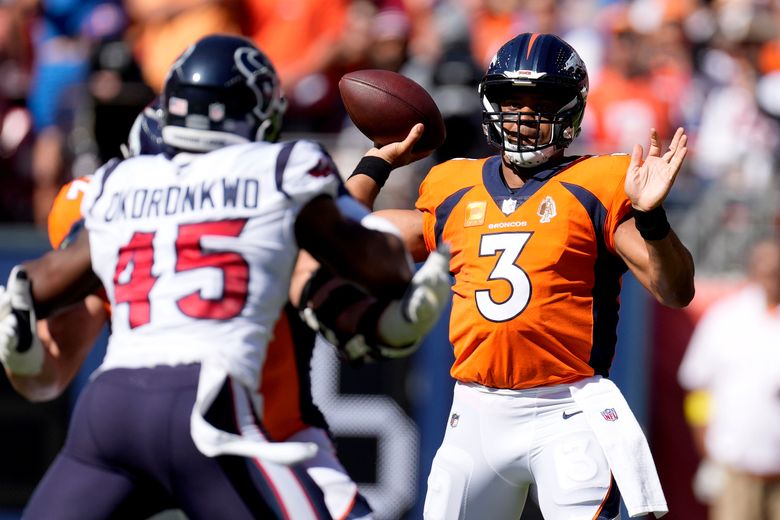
648	181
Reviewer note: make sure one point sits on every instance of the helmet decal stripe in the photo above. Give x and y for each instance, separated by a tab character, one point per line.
531	42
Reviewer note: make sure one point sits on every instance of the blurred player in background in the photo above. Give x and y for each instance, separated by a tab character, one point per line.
733	358
185	351
539	243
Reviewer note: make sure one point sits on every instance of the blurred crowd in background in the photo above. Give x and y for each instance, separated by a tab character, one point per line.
76	72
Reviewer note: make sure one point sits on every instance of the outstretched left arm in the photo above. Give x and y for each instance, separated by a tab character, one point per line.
646	242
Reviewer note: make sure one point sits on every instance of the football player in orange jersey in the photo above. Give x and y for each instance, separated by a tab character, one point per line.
289	411
539	243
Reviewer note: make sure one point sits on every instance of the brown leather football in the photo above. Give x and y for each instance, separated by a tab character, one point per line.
385	105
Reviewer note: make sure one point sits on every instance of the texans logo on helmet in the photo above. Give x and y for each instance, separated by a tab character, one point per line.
259	76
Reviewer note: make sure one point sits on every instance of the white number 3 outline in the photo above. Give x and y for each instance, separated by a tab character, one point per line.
508	247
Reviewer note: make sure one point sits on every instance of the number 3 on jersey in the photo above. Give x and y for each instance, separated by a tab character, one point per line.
508	247
134	287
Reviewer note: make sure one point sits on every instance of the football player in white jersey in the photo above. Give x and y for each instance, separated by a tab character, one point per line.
195	252
345	313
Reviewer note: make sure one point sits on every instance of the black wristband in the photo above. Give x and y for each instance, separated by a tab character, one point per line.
652	225
375	167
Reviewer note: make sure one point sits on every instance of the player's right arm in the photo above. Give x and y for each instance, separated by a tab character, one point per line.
63	276
374	259
364	188
366	328
410	223
66	337
40	358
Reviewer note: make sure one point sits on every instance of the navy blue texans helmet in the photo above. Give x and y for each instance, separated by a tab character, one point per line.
146	133
222	90
543	64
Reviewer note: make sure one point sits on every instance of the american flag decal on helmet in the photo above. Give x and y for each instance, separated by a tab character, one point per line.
609	414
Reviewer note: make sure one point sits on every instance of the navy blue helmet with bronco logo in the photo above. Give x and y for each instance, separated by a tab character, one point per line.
222	90
548	66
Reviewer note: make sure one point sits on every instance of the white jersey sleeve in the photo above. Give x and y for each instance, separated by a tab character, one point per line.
305	170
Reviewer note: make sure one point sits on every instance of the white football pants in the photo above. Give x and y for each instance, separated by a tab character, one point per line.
499	444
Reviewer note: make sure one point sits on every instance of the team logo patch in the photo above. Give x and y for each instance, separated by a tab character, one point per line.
546	210
454	420
475	213
609	414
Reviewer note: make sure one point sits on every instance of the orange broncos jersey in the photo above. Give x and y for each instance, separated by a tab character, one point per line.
288	404
537	279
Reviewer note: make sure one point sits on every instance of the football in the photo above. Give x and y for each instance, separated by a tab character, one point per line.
385	105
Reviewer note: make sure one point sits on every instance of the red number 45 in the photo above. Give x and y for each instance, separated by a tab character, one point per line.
189	255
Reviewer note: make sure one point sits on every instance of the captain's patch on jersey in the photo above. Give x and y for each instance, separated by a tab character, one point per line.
475	214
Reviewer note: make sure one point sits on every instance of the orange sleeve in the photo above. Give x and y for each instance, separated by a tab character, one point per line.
427	206
617	204
66	210
64	214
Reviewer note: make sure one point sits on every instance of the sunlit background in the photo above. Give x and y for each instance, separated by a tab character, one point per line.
74	74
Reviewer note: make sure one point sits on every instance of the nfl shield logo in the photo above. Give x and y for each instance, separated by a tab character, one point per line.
609	414
217	112
508	206
454	419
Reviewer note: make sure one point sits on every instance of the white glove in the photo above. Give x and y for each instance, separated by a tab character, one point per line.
405	322
20	349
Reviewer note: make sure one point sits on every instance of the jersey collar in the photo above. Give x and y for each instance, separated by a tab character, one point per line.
499	191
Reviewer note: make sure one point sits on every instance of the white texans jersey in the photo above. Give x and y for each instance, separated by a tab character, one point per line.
196	252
